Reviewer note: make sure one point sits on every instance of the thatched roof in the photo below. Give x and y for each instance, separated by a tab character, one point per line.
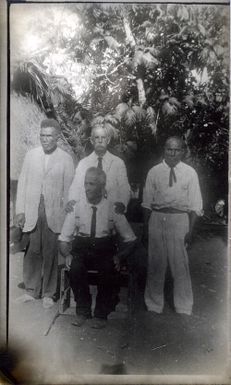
25	118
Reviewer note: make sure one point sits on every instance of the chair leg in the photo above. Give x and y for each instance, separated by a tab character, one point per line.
64	300
57	314
65	291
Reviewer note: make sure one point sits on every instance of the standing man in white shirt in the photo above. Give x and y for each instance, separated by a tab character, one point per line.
117	186
93	222
43	185
171	201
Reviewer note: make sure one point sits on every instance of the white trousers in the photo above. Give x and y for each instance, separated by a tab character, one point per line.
166	246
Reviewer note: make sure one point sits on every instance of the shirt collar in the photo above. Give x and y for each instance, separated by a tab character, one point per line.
49	154
103	157
98	205
177	166
87	205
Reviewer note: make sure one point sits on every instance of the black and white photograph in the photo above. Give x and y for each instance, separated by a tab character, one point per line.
117	265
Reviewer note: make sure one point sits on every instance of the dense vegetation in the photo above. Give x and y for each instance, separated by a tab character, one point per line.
145	70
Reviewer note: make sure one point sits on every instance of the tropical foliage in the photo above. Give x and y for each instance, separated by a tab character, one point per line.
144	70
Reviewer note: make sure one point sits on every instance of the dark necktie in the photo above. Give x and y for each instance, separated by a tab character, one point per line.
93	222
172	176
100	166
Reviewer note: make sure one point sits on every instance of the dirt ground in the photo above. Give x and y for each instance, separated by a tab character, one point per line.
144	344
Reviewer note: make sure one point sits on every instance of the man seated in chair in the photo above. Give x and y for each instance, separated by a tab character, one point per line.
86	241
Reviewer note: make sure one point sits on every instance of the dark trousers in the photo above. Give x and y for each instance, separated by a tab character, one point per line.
40	264
97	255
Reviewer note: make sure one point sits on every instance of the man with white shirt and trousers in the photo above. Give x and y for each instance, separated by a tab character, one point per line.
117	188
171	201
87	242
42	192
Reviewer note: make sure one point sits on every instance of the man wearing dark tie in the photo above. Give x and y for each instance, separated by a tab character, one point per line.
117	187
94	222
171	201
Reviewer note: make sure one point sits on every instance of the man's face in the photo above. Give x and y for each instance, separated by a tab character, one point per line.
93	188
48	139
173	152
100	140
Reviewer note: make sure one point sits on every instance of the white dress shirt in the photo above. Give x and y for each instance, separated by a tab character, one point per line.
117	186
45	164
78	222
183	195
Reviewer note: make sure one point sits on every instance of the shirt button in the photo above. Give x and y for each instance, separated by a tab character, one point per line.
164	219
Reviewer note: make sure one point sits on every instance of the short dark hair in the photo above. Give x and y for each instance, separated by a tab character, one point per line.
100	174
51	123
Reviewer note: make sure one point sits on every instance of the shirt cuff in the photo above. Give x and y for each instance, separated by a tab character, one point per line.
199	213
129	239
146	206
64	238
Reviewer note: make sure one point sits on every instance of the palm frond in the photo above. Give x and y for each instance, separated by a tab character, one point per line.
151	115
130	117
120	110
139	112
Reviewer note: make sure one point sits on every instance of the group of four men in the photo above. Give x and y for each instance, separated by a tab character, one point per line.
81	213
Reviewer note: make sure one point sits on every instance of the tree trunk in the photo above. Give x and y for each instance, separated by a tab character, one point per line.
141	91
129	34
131	40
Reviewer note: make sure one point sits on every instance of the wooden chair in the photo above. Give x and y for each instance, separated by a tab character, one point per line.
126	279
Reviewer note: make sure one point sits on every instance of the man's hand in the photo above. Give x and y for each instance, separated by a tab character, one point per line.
20	220
188	236
188	239
119	208
70	206
68	261
116	262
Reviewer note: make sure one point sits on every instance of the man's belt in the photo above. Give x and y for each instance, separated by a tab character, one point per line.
169	210
88	241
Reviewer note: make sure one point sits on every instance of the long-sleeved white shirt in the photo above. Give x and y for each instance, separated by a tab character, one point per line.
117	186
183	195
78	222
